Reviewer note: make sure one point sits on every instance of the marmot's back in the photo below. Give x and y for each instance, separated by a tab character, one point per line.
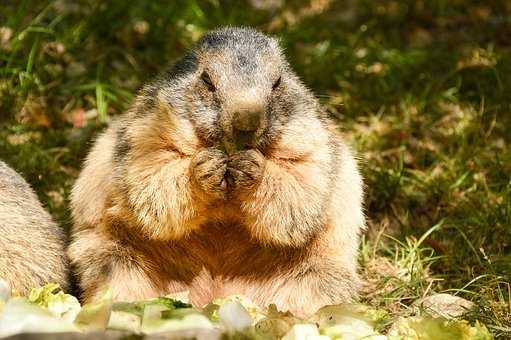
31	244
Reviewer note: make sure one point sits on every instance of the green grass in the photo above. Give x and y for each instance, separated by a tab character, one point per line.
421	89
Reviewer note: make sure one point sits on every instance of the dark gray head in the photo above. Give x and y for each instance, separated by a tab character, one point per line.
235	85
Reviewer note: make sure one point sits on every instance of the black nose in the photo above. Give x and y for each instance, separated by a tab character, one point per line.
246	120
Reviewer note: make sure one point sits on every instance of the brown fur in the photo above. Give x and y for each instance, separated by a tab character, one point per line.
31	244
161	207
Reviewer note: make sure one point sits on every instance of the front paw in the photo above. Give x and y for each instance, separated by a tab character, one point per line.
244	170
208	171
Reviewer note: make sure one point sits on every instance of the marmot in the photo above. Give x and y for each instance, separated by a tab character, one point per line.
224	177
32	246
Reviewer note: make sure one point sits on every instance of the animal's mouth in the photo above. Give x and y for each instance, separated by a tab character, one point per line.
242	131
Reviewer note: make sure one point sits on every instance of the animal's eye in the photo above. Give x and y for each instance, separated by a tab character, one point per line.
207	80
276	83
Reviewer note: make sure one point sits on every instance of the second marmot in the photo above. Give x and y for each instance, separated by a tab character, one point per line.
32	245
225	177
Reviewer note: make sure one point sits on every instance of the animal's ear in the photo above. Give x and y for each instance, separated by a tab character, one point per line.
276	45
275	42
183	67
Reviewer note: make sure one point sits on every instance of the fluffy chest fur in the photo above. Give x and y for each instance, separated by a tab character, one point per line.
219	259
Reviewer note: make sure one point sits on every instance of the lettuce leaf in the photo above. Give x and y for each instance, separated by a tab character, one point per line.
437	328
61	305
22	316
95	316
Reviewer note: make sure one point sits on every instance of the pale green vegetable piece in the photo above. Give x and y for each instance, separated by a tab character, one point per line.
21	316
437	329
188	322
348	321
5	291
41	295
305	331
178	313
352	329
94	316
61	305
153	312
171	307
276	324
149	313
153	322
211	309
124	321
341	314
272	328
234	317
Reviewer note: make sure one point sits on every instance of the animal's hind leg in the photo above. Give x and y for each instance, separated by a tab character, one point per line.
128	282
101	263
304	291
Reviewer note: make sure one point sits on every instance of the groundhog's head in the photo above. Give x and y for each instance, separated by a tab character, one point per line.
236	87
234	91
